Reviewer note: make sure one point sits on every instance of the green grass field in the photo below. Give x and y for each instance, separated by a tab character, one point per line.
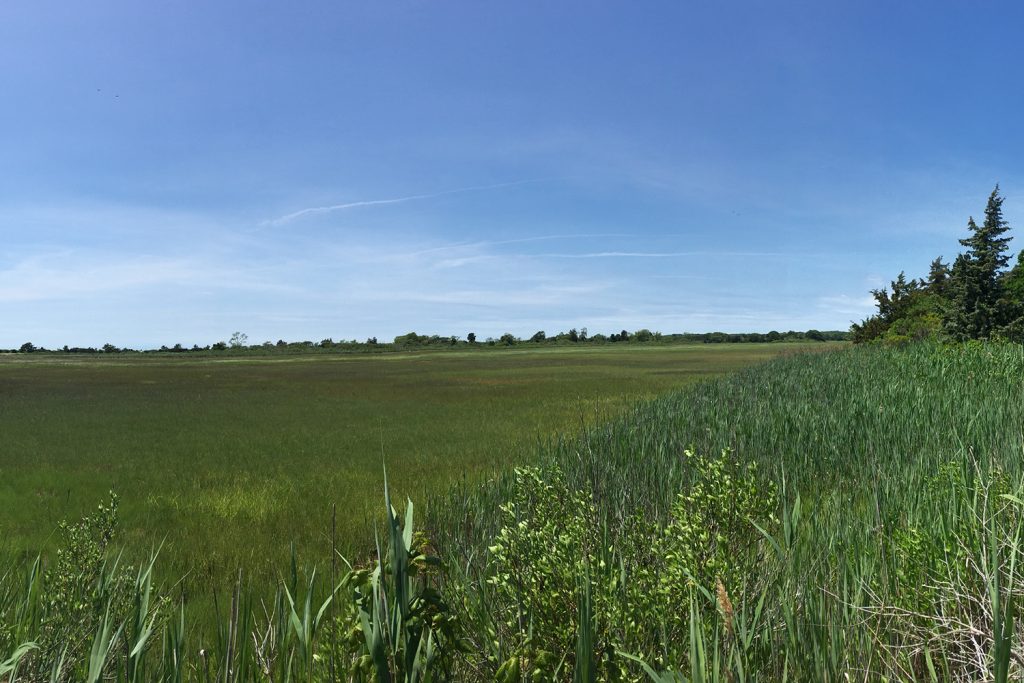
233	459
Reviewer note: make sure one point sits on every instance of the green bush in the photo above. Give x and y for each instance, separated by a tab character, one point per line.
554	546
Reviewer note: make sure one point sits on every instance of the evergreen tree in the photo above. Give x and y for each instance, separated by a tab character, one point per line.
978	306
1013	283
938	277
910	312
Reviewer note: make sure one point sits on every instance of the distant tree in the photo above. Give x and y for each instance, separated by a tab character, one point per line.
978	306
574	336
110	348
178	348
326	343
219	346
407	339
538	336
28	347
583	334
471	337
372	341
643	335
816	335
508	339
238	340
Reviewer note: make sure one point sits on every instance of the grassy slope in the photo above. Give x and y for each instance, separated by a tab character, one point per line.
235	459
862	415
866	437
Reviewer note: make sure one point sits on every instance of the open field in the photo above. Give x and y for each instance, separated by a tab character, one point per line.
234	459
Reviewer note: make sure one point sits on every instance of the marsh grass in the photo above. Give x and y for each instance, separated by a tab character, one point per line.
847	516
244	457
897	548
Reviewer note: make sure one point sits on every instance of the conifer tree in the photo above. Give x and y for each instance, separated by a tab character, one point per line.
1013	282
938	277
978	306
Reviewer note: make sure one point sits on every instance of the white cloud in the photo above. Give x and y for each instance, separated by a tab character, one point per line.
82	275
63	275
148	277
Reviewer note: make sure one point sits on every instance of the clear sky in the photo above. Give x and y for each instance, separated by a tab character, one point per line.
176	171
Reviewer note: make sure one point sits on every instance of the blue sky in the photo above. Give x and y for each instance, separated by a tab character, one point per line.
173	172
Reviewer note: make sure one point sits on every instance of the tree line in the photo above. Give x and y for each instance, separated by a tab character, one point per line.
979	296
238	343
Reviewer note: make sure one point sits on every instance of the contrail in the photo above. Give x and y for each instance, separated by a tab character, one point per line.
395	200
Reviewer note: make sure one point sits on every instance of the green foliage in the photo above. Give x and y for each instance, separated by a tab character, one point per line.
84	591
976	298
978	306
397	625
554	549
910	313
70	622
711	537
1013	282
536	558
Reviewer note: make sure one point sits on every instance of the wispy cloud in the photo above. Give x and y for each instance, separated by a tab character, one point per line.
161	276
287	218
519	240
80	275
669	254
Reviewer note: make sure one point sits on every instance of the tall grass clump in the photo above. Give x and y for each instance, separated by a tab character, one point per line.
854	515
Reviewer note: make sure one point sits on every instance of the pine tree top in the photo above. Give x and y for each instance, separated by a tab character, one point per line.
986	244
